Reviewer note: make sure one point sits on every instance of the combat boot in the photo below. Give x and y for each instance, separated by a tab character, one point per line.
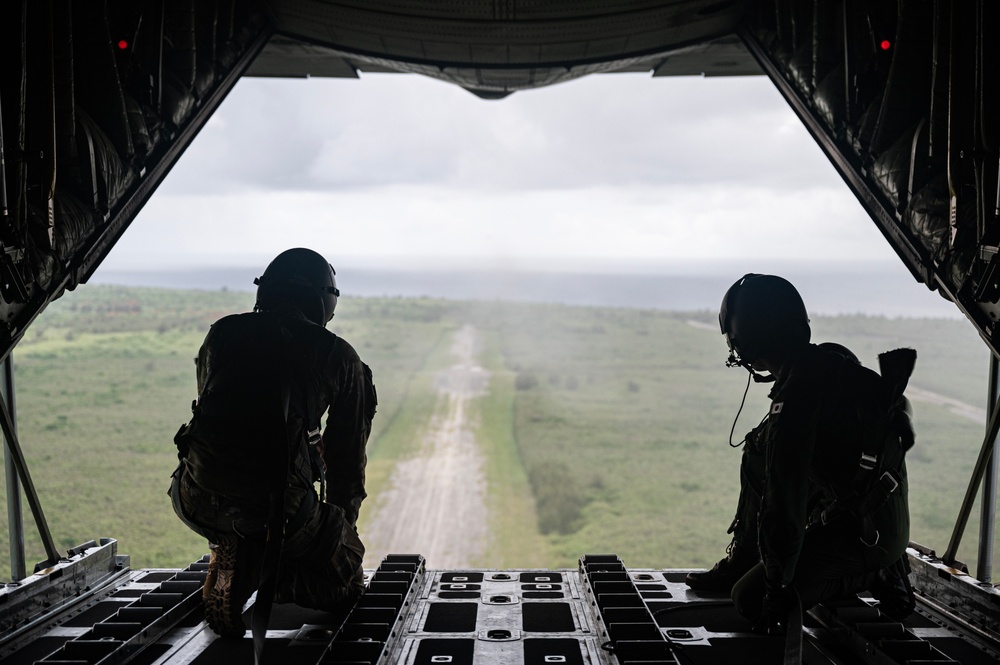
233	574
724	574
891	587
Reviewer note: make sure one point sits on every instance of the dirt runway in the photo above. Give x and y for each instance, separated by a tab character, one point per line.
957	407
436	501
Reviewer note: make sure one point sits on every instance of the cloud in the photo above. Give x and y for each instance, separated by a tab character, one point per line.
604	130
612	168
636	224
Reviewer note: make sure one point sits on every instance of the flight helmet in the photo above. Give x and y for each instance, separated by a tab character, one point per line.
300	278
762	315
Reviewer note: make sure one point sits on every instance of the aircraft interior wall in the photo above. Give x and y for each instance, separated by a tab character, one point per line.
98	98
901	94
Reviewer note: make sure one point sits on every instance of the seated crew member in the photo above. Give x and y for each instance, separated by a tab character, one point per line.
823	496
253	449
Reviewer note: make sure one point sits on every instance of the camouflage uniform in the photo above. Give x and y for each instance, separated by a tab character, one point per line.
234	452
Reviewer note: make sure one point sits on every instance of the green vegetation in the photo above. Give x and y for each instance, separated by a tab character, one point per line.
604	429
623	418
516	540
102	387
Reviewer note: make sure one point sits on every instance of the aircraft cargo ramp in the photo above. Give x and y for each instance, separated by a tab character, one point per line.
601	613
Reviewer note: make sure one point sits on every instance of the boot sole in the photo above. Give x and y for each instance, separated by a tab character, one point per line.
217	596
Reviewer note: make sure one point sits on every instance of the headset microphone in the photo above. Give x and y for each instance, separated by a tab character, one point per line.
762	378
733	361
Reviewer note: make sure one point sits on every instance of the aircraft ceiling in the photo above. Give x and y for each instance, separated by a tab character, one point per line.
495	48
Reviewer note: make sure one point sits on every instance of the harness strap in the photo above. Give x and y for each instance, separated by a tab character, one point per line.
793	633
863	508
269	574
277	529
276	525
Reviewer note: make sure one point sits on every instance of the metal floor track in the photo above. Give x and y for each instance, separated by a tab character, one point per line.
601	613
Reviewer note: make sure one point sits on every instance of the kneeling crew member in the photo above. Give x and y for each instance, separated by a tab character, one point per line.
253	450
823	502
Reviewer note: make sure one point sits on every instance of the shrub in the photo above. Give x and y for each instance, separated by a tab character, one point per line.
525	381
558	498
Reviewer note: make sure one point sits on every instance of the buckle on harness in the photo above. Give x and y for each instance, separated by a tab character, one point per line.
871	544
867	461
314	436
889	481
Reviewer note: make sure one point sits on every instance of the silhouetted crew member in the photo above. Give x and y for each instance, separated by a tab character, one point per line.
253	446
823	502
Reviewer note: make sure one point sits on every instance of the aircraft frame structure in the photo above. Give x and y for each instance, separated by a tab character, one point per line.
99	98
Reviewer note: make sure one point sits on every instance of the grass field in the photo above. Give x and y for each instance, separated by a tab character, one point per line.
604	429
624	419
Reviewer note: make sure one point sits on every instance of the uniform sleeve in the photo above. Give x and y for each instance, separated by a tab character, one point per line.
352	407
794	422
203	361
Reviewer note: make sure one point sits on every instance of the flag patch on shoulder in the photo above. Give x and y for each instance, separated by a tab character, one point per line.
776	408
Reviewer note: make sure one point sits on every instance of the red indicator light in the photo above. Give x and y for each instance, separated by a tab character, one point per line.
122	44
886	44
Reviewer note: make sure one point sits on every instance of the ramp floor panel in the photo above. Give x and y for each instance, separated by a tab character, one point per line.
600	614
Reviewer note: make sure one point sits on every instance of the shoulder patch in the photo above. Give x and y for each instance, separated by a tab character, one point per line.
776	408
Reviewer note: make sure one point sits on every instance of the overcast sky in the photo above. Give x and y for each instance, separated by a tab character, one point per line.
399	170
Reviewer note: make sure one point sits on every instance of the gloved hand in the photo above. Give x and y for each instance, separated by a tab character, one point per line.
774	611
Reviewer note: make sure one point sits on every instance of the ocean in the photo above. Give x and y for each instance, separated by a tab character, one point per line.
828	289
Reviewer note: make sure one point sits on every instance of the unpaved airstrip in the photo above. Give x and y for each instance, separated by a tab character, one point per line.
436	501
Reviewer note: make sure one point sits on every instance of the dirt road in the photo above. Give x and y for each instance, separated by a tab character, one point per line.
435	504
963	409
